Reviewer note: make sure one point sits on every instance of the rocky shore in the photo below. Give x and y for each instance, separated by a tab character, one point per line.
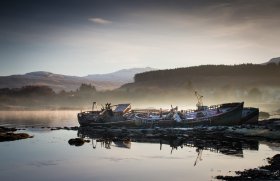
267	172
267	130
7	134
254	132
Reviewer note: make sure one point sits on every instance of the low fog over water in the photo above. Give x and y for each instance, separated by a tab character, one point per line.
38	118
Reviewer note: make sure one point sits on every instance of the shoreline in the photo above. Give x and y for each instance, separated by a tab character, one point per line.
266	172
7	134
269	130
226	140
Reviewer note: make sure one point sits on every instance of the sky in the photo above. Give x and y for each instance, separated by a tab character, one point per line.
81	37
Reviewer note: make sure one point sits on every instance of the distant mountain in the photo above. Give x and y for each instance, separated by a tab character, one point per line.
122	76
273	60
55	81
64	82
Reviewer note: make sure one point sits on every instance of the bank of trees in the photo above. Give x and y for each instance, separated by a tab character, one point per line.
220	83
44	96
180	74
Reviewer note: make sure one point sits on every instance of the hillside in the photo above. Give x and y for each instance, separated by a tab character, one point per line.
255	84
273	60
64	82
56	81
215	82
124	75
211	75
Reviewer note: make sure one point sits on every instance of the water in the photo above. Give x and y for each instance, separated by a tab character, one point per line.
48	156
38	118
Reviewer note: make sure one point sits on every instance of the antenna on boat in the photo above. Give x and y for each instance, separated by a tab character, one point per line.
199	99
199	155
93	104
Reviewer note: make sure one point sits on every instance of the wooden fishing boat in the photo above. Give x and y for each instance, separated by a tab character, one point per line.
122	116
105	115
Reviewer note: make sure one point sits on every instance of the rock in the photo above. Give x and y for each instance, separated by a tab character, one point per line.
143	131
77	141
268	172
6	134
124	130
75	128
13	136
4	129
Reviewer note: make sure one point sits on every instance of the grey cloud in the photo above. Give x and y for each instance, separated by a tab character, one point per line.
100	21
149	29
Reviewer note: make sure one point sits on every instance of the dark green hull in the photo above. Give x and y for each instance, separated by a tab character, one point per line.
250	115
230	118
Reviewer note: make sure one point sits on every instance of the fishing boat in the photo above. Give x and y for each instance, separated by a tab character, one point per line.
226	114
250	115
121	115
217	115
108	114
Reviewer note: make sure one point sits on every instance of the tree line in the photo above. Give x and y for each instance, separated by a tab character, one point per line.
243	70
246	82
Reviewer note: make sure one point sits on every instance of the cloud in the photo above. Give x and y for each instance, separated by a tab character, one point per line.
100	21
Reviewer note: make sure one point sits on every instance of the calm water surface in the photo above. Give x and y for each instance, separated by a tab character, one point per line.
38	118
48	156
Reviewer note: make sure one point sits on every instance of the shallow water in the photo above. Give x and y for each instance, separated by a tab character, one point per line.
38	118
48	156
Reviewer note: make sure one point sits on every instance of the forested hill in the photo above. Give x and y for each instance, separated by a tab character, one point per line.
207	78
180	74
253	84
246	82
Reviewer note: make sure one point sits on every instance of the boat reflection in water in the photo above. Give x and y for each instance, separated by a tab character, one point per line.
107	143
220	144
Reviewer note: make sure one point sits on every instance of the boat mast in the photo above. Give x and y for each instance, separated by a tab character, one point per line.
93	104
199	99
